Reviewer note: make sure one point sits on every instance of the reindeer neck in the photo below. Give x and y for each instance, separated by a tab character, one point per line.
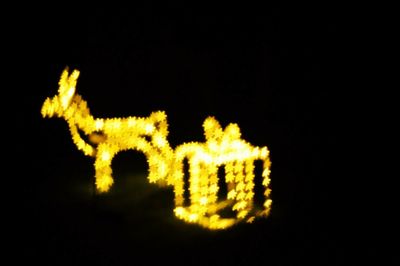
80	115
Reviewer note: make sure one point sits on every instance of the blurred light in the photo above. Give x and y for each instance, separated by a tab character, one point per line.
222	148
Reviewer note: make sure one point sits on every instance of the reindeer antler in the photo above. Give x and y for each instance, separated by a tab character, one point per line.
67	87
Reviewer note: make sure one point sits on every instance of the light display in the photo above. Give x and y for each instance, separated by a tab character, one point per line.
222	148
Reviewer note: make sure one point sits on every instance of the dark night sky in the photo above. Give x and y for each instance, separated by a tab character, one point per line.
277	72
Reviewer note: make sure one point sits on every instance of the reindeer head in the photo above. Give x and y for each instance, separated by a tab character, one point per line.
58	105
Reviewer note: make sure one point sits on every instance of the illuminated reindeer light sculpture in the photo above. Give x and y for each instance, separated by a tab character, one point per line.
112	135
149	135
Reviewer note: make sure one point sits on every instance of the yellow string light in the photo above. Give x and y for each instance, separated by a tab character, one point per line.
222	148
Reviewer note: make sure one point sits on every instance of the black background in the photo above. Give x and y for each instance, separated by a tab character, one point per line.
279	72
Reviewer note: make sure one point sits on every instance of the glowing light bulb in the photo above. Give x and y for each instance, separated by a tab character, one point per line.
222	148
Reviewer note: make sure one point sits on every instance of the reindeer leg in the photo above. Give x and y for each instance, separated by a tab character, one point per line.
103	175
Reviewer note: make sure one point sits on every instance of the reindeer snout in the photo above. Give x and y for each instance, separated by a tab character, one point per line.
50	107
45	111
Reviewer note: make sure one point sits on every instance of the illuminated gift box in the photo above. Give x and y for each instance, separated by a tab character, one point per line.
223	148
109	136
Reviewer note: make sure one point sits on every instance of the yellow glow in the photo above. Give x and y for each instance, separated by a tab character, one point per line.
222	148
